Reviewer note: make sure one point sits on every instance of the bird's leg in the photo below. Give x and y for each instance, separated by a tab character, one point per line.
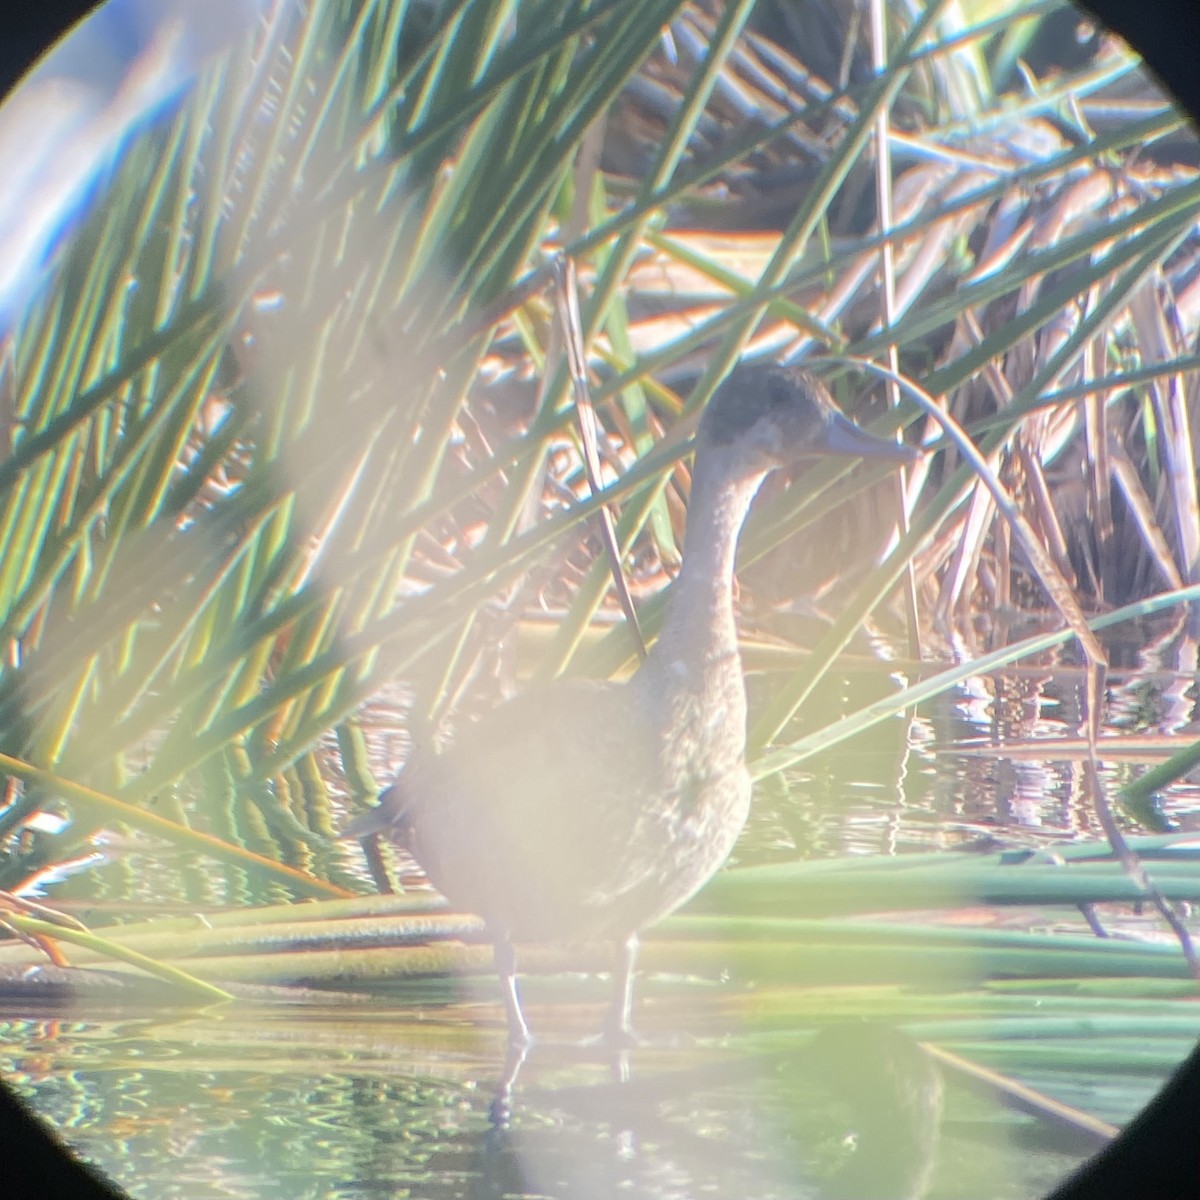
619	1029
519	1037
506	967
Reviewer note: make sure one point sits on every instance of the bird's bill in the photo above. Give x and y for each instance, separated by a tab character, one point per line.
844	437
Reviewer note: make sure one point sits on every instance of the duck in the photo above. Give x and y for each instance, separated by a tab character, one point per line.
585	810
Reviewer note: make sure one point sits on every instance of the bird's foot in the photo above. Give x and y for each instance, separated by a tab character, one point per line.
520	1041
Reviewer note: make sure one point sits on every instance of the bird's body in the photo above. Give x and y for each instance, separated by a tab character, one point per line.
586	811
580	840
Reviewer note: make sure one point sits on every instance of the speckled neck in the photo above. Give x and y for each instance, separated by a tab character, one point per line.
699	629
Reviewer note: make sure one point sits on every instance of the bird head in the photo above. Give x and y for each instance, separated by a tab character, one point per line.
772	416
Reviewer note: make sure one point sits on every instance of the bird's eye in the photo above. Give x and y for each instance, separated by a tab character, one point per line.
778	391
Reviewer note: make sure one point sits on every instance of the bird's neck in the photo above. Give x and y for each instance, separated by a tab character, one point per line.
699	630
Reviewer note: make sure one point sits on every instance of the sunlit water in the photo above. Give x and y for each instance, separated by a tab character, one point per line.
262	1104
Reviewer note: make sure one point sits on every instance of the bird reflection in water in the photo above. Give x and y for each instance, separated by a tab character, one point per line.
855	1114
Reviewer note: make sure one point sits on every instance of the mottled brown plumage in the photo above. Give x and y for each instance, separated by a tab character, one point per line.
591	810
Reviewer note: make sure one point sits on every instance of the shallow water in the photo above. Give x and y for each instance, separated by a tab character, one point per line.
262	1104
